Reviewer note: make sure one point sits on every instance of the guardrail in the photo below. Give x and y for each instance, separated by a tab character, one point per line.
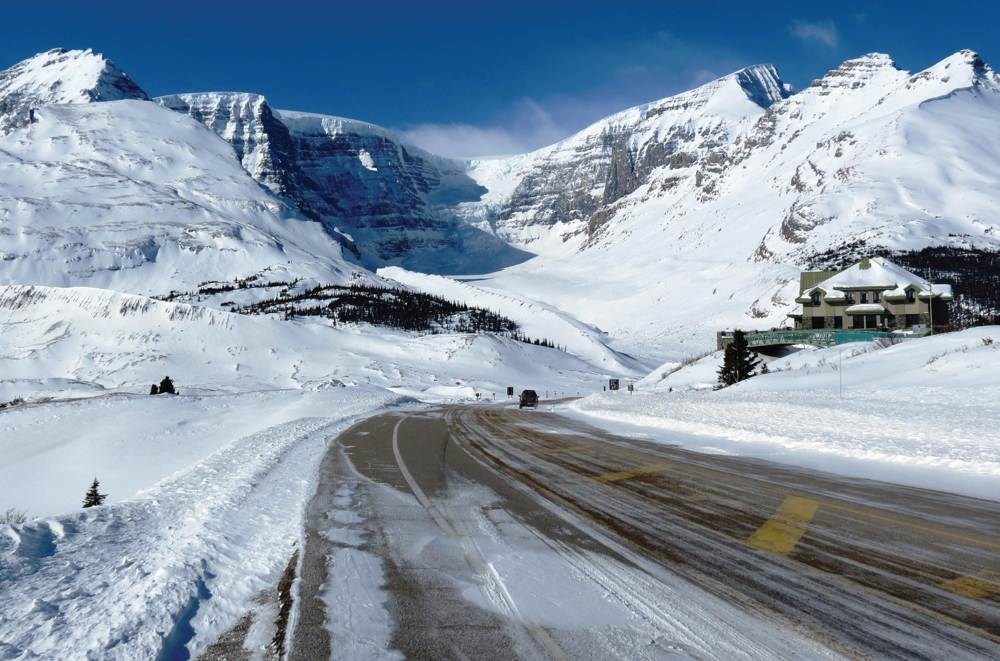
818	337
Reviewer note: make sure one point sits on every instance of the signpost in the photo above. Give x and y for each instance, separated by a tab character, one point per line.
510	391
612	384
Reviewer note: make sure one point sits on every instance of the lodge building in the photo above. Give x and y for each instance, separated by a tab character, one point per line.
874	294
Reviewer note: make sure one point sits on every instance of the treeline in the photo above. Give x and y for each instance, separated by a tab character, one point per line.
392	308
211	287
973	274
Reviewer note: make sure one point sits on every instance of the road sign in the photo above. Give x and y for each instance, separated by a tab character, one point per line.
612	384
510	391
631	387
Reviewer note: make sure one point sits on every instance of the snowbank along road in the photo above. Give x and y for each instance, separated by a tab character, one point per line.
488	532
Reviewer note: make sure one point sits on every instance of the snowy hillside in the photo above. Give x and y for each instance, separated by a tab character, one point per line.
536	319
60	76
388	202
132	196
573	188
670	221
122	340
922	412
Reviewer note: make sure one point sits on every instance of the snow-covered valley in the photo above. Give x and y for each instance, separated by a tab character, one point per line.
137	236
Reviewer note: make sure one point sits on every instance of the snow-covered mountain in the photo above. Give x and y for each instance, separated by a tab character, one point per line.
60	76
667	148
659	224
739	167
390	203
101	188
671	220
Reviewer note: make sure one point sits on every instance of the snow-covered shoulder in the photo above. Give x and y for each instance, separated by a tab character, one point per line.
924	412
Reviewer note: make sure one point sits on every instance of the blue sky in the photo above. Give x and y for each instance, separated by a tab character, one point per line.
479	77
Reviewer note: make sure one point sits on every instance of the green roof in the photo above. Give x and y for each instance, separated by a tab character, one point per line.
809	279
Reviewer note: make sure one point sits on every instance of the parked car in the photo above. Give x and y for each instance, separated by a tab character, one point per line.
528	398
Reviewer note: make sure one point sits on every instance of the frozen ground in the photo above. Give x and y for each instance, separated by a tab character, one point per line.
212	491
924	412
207	488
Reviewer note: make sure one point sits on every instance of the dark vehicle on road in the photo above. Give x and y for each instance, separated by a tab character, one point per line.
528	398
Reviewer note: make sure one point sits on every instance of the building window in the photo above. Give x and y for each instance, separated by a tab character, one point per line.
864	297
849	297
912	320
911	296
871	321
815	298
838	322
876	297
857	321
818	322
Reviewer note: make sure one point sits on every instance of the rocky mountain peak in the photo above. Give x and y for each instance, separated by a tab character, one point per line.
762	84
856	72
962	69
60	76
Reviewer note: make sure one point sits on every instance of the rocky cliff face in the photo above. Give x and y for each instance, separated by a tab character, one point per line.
387	202
60	76
576	185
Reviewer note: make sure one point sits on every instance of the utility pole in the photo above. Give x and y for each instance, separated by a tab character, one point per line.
930	305
840	373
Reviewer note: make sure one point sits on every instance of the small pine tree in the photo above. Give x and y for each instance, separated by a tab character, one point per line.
727	373
93	497
739	362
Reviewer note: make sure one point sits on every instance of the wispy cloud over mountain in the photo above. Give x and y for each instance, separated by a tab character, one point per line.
816	32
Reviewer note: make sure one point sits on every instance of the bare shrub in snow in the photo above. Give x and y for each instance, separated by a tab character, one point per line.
13	517
987	341
886	341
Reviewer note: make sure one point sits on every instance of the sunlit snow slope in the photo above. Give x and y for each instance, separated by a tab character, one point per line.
669	221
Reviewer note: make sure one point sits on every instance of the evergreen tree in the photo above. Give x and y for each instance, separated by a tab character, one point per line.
739	362
747	361
93	497
727	373
167	386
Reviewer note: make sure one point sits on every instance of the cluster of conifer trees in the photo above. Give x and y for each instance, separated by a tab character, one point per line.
392	308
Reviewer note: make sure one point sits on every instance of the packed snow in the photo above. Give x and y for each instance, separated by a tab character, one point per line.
922	412
211	493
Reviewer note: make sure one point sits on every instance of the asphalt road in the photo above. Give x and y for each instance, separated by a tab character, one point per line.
501	533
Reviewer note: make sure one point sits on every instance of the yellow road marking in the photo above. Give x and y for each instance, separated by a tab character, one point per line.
628	475
977	587
782	532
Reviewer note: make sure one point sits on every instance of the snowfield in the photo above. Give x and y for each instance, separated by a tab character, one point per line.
923	412
206	488
137	578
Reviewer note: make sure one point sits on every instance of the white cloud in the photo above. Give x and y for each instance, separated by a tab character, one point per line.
818	32
641	71
524	127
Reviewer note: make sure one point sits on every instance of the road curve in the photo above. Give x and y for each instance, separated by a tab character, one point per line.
503	533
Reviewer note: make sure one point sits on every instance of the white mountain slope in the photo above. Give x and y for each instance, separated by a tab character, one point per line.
395	202
117	340
535	318
672	220
131	196
60	76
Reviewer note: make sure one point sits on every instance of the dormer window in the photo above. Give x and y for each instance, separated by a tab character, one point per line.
864	297
815	298
911	296
849	297
876	297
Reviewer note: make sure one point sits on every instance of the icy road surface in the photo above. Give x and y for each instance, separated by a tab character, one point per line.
488	532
